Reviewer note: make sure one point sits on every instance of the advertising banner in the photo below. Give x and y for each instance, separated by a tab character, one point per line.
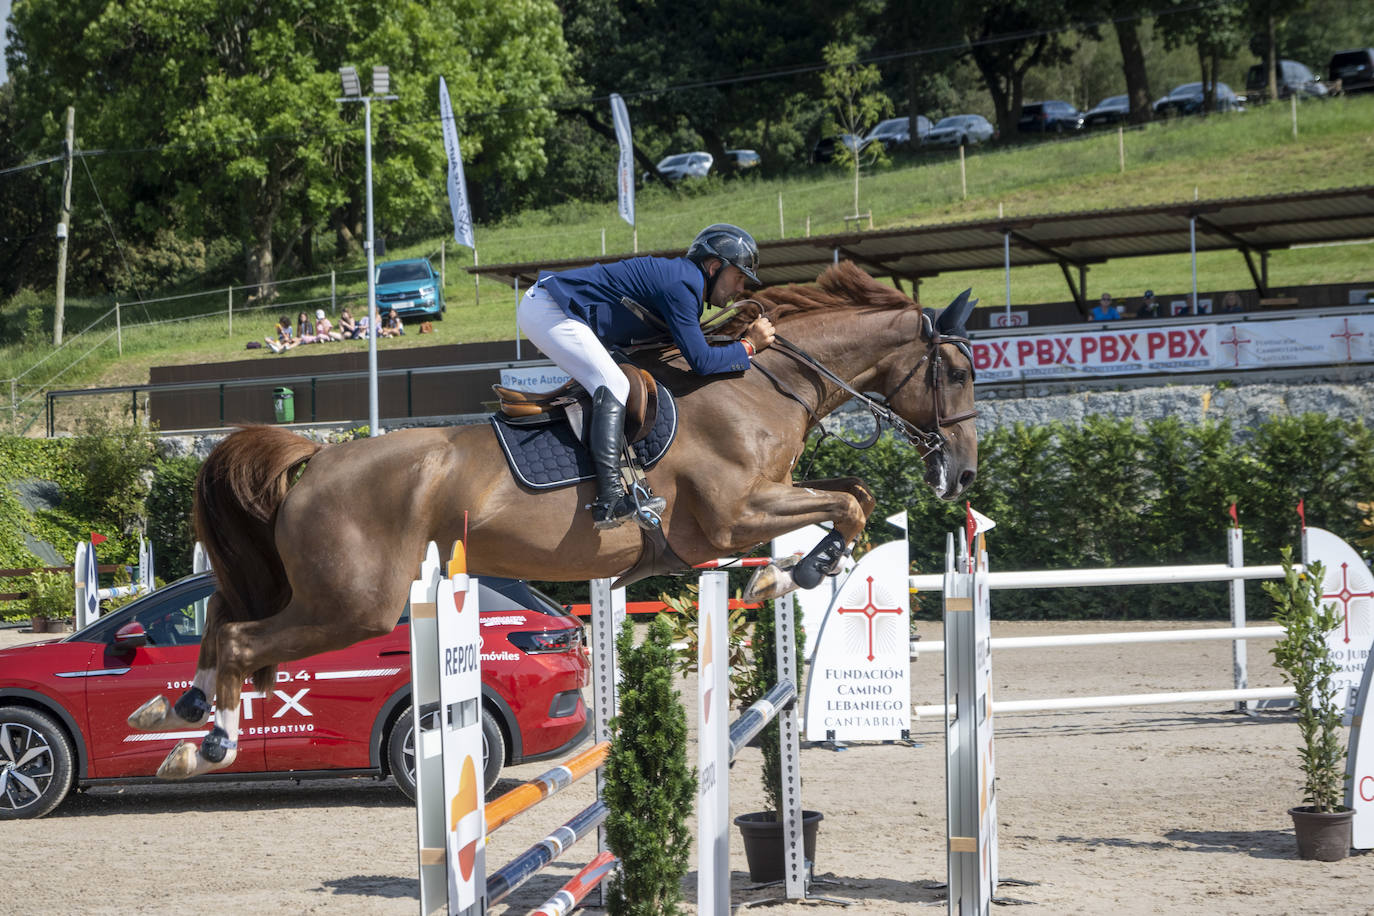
625	172
457	184
1118	349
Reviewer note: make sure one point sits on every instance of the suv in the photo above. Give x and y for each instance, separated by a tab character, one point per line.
1042	117
411	287
63	702
1352	71
1292	78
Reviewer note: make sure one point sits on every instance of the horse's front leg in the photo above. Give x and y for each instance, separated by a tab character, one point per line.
773	508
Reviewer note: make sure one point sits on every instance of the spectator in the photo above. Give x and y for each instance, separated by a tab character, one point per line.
1231	302
348	327
391	324
324	328
284	340
362	328
1105	310
1149	308
305	329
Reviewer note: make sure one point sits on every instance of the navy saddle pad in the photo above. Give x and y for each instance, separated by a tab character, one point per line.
549	456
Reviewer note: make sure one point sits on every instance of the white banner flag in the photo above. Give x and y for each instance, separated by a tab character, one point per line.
625	174
457	184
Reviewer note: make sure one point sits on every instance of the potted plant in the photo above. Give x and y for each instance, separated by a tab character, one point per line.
1323	825
762	831
52	599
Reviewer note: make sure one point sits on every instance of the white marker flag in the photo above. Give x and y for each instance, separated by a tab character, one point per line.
457	184
625	174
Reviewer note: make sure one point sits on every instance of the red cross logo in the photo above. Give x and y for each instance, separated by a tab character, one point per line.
1348	335
1235	341
1345	596
870	610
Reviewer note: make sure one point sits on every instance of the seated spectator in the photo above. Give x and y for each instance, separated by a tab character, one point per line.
324	328
1105	310
284	340
1231	302
391	324
305	329
1149	308
348	327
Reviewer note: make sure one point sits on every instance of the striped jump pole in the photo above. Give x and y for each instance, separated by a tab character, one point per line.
572	893
524	866
527	795
753	719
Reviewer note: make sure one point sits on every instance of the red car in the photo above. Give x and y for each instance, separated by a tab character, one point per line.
63	703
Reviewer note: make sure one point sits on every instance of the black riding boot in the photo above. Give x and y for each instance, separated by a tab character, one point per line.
612	505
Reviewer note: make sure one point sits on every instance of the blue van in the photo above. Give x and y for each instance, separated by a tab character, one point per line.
411	287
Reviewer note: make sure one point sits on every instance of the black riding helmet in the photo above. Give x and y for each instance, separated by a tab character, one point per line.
729	243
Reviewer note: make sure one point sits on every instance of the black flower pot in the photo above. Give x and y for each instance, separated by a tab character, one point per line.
763	843
1324	836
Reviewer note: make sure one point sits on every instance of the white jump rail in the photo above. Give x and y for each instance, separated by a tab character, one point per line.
1234	572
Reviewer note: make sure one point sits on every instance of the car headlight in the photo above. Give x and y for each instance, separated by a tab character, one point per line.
426	292
537	643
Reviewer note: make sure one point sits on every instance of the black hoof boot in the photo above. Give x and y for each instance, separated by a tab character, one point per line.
823	559
216	745
193	706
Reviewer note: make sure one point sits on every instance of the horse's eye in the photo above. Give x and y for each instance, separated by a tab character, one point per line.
958	376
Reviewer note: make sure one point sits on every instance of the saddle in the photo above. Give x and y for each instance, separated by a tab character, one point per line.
571	403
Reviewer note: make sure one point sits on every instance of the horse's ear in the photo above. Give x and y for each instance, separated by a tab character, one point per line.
952	320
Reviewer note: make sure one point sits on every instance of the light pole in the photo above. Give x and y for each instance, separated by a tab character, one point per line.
352	92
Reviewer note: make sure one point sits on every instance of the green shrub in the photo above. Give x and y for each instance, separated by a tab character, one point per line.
169	515
52	595
115	461
649	788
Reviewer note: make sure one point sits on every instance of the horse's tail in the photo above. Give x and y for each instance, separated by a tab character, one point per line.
238	491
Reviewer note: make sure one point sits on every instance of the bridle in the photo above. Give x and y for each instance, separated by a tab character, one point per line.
925	440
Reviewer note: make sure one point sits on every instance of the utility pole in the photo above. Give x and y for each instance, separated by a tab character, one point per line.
62	230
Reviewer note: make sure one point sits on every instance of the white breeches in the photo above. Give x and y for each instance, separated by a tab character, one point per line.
569	343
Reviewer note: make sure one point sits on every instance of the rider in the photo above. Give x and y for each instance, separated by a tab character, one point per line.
575	315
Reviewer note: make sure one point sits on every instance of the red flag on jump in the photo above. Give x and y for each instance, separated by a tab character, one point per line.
971	527
98	538
1302	515
1235	519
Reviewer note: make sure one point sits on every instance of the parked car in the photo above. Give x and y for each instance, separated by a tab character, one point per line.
825	148
959	130
1042	117
896	132
1292	78
1187	100
1111	110
685	165
63	702
411	287
1353	70
743	158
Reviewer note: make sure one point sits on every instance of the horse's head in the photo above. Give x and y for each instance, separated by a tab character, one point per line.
930	385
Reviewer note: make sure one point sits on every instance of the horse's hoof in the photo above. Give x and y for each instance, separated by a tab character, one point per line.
180	763
772	581
152	715
186	761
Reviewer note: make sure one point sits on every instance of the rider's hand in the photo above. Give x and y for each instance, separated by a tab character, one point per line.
760	333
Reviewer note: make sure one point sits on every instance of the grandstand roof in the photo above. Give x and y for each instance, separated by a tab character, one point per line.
1073	240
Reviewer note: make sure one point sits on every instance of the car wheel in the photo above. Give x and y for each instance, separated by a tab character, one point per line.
35	763
400	750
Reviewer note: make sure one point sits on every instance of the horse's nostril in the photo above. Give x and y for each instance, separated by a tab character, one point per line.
966	479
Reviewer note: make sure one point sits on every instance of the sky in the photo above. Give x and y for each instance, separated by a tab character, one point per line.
4	22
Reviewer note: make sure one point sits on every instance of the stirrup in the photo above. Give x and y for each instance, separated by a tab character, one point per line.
649	508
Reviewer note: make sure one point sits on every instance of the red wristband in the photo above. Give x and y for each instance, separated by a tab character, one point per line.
748	347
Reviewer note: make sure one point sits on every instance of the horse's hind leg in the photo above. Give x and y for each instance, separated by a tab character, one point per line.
190	710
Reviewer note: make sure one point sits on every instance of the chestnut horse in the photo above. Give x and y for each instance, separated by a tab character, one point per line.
314	548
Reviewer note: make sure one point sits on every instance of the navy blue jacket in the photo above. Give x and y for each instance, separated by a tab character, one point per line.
671	288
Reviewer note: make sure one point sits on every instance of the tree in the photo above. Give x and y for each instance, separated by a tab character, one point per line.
223	114
1215	30
855	105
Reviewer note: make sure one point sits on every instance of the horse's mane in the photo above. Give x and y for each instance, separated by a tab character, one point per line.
841	286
